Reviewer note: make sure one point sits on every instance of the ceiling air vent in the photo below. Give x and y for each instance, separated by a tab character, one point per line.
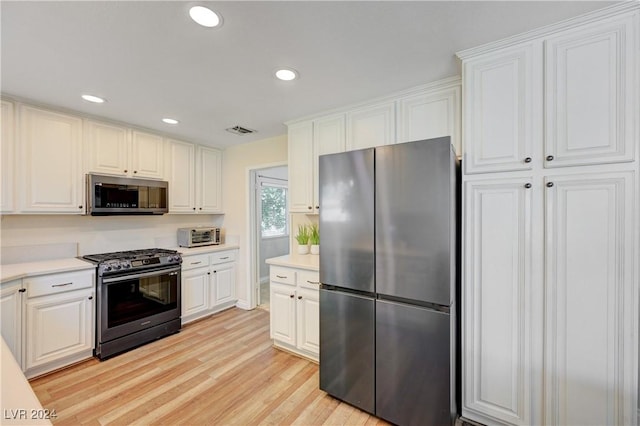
239	130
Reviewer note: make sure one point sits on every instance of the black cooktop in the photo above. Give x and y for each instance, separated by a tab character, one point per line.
129	255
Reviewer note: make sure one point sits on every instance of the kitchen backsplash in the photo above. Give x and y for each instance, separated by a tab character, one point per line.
94	234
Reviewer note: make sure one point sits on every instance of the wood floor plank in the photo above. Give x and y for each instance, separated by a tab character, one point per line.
222	370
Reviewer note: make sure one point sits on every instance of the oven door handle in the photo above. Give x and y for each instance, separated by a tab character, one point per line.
156	272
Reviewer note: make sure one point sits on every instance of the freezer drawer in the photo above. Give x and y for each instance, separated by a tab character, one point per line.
347	348
413	380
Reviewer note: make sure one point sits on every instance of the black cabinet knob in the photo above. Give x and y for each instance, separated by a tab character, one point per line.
527	160
317	207
125	170
194	208
90	297
135	171
299	297
527	185
80	207
549	157
310	208
549	184
291	296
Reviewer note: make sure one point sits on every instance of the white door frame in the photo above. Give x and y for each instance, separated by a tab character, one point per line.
252	232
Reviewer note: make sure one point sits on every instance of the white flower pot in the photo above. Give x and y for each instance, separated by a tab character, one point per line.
303	249
315	249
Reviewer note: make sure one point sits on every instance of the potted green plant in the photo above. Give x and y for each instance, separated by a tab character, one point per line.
314	238
302	237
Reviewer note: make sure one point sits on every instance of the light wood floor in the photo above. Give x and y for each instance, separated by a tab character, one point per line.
221	370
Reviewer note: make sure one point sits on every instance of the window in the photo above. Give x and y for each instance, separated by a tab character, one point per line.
275	217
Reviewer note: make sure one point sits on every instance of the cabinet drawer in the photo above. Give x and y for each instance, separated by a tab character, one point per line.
310	279
58	283
195	261
282	275
223	256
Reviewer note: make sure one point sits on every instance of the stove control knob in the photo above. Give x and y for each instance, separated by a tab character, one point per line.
127	266
117	266
107	268
176	258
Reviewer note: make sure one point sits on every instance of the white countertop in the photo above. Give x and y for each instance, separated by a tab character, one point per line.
185	251
302	261
29	269
18	402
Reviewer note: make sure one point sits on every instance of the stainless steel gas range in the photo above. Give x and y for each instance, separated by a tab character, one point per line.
138	298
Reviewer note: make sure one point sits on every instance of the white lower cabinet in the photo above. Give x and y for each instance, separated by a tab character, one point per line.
59	320
11	316
195	292
550	300
295	310
208	284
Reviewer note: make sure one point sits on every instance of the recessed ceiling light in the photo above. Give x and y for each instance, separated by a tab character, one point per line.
205	17
94	99
286	74
170	120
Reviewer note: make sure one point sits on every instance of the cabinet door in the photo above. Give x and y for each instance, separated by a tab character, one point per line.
58	326
224	288
308	320
107	147
497	302
7	125
209	181
371	126
283	313
502	109
301	168
328	138
147	155
11	315
591	101
195	292
50	168
591	338
430	115
182	176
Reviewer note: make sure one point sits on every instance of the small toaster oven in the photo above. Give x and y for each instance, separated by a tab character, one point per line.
200	236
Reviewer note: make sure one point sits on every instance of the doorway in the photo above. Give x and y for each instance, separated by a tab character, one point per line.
270	225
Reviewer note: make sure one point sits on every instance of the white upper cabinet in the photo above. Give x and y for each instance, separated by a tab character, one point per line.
328	138
591	101
107	148
194	174
50	176
371	126
120	151
502	109
181	174
209	180
7	125
147	155
300	139
425	112
430	115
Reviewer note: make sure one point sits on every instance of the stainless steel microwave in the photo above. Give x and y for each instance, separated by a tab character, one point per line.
112	195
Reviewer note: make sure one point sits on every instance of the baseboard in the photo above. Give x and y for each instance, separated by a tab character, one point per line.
243	304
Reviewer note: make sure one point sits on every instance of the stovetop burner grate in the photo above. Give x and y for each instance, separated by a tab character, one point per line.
129	254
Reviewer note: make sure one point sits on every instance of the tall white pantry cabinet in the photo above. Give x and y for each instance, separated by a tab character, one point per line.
551	224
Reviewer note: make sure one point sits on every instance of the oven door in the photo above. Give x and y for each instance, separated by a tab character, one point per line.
134	302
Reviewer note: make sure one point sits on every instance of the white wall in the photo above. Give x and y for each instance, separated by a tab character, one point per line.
237	162
99	234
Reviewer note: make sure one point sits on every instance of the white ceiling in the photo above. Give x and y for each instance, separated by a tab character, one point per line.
151	61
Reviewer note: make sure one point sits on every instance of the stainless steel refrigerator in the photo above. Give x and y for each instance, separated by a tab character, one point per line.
388	268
